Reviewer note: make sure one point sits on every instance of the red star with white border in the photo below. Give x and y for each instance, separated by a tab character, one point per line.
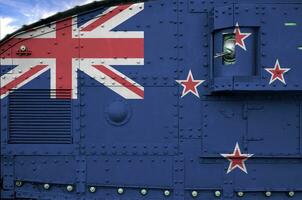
277	73
190	85
240	37
237	159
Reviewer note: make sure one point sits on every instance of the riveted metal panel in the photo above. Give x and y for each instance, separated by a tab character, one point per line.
148	171
130	50
44	169
120	127
222	17
201	167
193	55
197	6
265	137
142	137
222	120
267	24
282	181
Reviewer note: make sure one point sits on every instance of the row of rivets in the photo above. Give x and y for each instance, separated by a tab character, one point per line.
195	193
121	191
46	186
241	194
143	192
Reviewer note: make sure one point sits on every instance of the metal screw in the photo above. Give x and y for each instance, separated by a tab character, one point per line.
69	188
46	186
144	192
268	194
23	48
217	193
92	189
291	193
240	194
194	193
167	193
120	190
19	183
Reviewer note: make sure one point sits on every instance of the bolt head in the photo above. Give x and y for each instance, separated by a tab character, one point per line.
23	48
120	190
46	186
240	194
144	192
92	189
217	193
167	193
69	188
268	194
194	193
291	193
19	183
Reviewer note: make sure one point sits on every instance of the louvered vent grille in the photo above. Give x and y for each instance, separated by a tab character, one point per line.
35	118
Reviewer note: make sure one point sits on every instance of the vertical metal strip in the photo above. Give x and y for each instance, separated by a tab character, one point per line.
178	177
8	175
81	175
300	125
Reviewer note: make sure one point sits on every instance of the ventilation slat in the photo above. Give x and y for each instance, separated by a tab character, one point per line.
35	117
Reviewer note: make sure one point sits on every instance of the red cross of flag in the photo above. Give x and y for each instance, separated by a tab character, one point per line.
65	47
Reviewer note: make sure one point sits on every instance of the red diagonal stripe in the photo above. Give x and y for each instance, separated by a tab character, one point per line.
120	80
105	18
21	78
90	48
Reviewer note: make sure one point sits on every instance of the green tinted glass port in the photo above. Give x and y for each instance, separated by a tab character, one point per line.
229	43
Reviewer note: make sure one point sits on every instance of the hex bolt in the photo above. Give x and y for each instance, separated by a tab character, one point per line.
217	193
268	194
69	188
194	193
291	193
240	194
144	192
92	189
19	183
120	190
46	186
167	193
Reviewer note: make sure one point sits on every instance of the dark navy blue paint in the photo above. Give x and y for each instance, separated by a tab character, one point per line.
166	142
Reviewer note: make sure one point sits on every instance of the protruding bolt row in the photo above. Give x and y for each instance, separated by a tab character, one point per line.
240	194
195	193
144	192
121	191
46	186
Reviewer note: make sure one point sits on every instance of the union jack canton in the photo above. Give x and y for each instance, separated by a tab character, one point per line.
91	46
